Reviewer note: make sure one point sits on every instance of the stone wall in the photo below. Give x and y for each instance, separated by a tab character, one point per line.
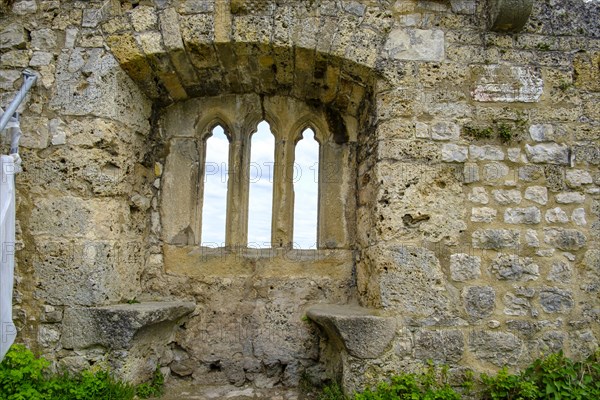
475	167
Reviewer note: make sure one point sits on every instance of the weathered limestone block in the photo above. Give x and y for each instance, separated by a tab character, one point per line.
516	305
8	78
426	201
549	342
529	215
478	195
15	59
564	239
415	44
133	334
570	197
531	238
577	177
13	37
487	152
143	18
538	194
43	39
483	214
514	154
91	82
561	271
578	217
495	239
467	7
41	58
586	71
454	153
498	348
115	326
556	214
546	132
471	173
362	332
583	343
48	336
555	177
494	172
513	267
506	84
549	153
464	267
24	7
479	301
74	217
445	131
444	345
527	328
555	300
87	272
404	278
531	172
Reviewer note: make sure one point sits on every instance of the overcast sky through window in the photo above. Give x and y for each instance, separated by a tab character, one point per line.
261	189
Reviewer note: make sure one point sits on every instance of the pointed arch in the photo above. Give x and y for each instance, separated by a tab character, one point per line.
306	189
214	182
262	155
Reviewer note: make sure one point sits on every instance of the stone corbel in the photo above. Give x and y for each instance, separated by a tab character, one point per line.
508	15
134	336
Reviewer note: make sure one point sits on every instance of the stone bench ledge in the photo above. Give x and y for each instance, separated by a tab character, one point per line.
362	332
115	326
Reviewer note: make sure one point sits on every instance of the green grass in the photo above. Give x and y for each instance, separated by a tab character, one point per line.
554	377
26	377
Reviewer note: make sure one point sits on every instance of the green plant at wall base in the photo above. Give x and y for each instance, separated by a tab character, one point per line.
554	377
154	388
332	392
25	377
21	374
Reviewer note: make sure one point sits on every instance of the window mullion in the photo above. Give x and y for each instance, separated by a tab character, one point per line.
237	191
282	226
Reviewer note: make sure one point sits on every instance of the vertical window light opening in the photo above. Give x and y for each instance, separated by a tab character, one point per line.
306	190
214	205
260	207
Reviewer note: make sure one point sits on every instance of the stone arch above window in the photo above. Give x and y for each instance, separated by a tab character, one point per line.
187	125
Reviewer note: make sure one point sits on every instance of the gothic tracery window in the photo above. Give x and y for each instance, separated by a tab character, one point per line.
303	207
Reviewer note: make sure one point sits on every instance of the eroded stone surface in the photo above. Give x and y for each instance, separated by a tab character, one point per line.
362	332
508	84
498	348
415	44
115	326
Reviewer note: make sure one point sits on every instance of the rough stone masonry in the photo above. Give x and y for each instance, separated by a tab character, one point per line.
459	185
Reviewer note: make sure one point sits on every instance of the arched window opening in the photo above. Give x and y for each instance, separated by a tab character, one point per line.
306	190
262	154
214	205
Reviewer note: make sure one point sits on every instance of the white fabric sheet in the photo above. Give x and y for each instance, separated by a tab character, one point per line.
8	168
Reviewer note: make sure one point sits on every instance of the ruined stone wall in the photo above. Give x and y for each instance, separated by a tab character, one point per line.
475	223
